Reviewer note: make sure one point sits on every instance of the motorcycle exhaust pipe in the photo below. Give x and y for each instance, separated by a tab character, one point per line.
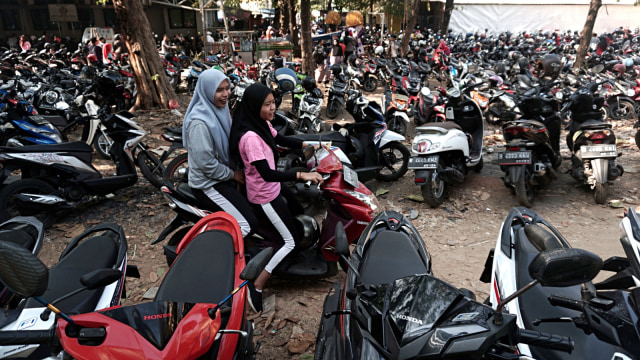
615	172
452	175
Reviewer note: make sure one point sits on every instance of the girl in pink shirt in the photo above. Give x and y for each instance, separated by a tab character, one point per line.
252	143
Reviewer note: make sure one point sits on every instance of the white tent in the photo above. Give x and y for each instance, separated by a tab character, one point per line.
533	15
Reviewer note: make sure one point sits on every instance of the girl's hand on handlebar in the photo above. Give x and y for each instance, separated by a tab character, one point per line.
314	177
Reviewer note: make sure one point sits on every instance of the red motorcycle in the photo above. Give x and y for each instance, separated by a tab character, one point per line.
188	319
347	201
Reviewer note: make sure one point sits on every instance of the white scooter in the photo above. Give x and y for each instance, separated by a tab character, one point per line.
443	152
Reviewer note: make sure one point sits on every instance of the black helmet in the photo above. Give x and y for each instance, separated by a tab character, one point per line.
549	67
500	67
352	59
309	83
336	69
582	101
523	63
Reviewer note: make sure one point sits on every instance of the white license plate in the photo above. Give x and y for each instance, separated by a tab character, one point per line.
423	162
514	158
598	151
350	176
449	113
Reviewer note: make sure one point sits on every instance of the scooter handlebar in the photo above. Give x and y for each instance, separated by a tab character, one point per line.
568	303
26	337
546	340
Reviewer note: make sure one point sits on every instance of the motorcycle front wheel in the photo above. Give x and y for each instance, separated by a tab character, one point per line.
601	192
370	84
394	160
191	85
433	191
621	110
177	172
151	167
10	209
524	192
333	107
102	144
397	125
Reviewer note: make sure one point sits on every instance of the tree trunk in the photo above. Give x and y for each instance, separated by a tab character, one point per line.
587	32
411	22
284	15
151	81
293	29
306	43
446	16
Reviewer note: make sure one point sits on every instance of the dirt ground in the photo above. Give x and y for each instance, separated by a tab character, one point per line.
458	234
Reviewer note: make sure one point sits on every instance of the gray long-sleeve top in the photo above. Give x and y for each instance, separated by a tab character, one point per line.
205	170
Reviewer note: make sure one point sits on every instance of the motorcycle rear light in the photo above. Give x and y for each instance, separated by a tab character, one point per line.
516	130
598	135
419	180
514	148
422	146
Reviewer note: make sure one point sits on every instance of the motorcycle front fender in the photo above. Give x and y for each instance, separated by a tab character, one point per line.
373	76
390	136
401	114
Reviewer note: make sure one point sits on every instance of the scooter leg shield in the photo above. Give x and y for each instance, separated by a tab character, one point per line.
328	341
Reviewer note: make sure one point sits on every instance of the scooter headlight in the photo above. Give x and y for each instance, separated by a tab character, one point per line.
629	92
368	199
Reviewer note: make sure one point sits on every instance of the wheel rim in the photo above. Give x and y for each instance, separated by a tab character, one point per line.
104	144
437	185
622	110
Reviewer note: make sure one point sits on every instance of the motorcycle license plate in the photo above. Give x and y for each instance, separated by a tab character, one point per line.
598	151
350	176
423	162
514	158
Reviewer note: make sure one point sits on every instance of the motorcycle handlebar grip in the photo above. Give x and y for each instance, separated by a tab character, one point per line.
26	337
307	184
568	303
550	341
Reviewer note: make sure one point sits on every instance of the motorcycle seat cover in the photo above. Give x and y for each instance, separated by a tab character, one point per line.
446	125
203	272
594	125
98	252
391	255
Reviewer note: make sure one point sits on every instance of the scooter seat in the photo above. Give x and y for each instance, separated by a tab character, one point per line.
541	238
448	125
594	125
98	252
203	272
77	146
18	237
391	255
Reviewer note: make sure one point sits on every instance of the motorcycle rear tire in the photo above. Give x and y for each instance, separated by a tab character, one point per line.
173	171
370	84
638	138
601	192
36	186
524	192
191	85
397	125
387	159
433	191
333	108
151	167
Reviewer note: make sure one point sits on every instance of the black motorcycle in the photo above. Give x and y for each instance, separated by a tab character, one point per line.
337	92
391	306
531	157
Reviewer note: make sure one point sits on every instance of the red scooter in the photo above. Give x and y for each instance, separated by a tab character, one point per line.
188	319
347	200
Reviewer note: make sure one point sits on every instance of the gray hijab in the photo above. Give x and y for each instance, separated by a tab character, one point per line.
202	108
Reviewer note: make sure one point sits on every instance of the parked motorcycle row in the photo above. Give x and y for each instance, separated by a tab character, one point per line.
543	302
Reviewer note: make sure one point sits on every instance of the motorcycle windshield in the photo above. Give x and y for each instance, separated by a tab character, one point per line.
431	313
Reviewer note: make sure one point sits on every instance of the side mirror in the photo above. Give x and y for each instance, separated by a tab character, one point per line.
100	278
21	271
565	267
342	245
256	265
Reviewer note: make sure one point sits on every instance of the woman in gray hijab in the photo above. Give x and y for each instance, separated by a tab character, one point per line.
205	132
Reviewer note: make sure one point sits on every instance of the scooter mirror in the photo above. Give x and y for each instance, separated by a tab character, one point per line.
256	264
21	271
100	278
342	245
565	267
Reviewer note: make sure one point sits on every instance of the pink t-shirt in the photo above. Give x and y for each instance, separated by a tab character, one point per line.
253	148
